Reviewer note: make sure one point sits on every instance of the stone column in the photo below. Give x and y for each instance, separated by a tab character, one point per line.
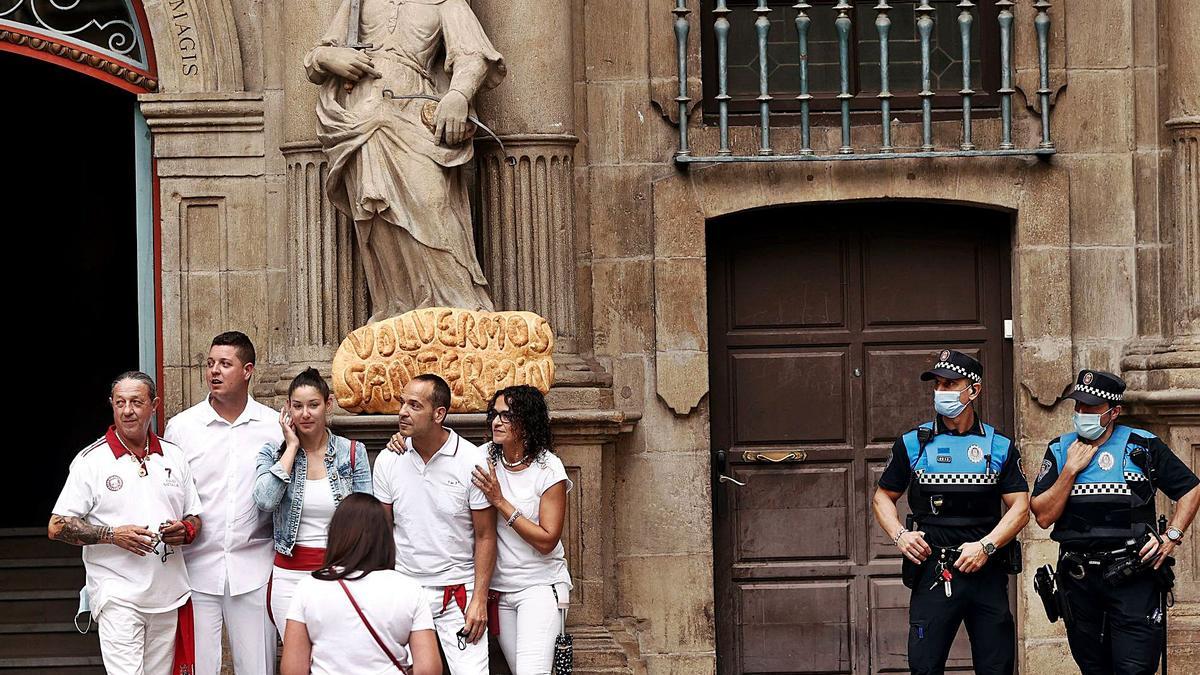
327	292
528	210
1183	126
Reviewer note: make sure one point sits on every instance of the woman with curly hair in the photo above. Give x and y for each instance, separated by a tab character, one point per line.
528	485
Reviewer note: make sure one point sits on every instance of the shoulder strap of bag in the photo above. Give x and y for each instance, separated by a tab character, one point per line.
353	452
371	630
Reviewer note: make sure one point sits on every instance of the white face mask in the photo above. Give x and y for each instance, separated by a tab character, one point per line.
949	403
85	607
1088	425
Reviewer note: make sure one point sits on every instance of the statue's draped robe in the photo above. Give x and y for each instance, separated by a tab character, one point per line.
404	191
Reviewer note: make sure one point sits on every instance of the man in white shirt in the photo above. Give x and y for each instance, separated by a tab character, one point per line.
445	528
129	500
231	560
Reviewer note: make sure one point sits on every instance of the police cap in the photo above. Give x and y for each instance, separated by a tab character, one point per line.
955	365
1094	387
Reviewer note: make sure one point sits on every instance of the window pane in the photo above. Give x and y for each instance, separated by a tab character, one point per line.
904	46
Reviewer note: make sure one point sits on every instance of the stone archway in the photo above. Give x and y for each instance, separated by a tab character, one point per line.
196	45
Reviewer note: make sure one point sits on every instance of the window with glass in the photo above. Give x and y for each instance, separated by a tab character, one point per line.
904	56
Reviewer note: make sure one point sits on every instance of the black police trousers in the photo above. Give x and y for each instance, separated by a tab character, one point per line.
1111	629
979	600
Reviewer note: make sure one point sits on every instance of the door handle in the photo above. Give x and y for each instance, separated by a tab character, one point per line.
722	478
774	457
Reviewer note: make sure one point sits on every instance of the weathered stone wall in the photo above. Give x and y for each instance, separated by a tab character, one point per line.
1100	273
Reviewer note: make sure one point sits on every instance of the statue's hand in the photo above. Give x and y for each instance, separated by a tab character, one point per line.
349	64
451	118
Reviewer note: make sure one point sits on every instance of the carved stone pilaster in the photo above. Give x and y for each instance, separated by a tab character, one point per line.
327	292
1185	230
528	215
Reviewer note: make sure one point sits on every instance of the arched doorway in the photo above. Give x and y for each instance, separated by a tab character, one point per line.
81	280
820	319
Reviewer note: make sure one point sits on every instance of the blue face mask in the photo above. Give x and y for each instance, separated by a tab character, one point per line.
947	403
1088	425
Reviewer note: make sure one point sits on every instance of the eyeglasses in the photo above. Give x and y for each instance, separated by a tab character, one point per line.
505	416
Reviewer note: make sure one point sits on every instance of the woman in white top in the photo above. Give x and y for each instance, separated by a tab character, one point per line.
302	483
357	614
529	490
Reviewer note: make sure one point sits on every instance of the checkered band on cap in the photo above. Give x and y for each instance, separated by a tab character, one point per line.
1107	395
926	478
958	369
1100	489
1134	477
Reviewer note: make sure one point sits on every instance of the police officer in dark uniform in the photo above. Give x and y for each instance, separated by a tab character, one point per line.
1096	487
957	472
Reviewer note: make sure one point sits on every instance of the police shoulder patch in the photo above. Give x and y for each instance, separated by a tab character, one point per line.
1046	466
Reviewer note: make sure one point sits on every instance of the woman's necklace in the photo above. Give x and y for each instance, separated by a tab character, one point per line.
512	465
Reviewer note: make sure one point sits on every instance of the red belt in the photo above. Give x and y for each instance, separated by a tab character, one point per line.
302	559
458	593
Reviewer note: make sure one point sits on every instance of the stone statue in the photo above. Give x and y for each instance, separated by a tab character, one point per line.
395	163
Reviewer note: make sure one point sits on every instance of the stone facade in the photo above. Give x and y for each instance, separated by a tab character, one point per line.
596	229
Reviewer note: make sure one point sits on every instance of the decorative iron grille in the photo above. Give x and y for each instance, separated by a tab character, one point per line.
850	61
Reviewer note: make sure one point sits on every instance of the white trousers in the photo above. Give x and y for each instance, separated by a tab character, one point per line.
283	587
137	643
473	658
251	634
528	625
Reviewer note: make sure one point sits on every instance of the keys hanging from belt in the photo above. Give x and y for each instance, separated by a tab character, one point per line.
942	573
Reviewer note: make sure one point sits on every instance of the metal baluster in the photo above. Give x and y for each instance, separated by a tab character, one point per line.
681	35
964	27
802	24
761	26
925	28
883	25
1042	24
1006	89
721	30
842	22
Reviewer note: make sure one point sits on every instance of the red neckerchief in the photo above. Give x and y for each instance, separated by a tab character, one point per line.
118	446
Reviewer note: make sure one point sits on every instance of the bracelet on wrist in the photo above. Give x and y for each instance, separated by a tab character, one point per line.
896	539
513	518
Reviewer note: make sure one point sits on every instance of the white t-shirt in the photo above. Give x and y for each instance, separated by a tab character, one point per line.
106	489
518	564
235	545
431	509
393	603
315	513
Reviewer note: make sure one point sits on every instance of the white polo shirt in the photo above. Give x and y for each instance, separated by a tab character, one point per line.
235	545
431	510
518	563
394	604
104	487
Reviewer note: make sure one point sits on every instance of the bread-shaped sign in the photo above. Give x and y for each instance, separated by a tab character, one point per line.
476	353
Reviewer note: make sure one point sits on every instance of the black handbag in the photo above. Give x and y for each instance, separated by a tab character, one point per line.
564	645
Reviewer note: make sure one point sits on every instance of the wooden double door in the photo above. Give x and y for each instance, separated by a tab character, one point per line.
821	320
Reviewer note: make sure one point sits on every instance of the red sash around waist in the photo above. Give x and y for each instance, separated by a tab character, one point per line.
302	559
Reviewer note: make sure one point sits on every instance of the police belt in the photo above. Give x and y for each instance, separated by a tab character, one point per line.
959	509
1103	520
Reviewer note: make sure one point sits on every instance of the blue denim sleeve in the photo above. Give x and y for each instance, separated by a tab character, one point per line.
270	480
361	480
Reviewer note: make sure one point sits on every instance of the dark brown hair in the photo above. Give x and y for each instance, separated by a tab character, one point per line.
530	415
309	377
441	391
360	540
240	342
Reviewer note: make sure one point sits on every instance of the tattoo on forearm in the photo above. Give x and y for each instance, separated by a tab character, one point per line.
75	531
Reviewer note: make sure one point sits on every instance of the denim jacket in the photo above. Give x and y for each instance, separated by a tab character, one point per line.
276	491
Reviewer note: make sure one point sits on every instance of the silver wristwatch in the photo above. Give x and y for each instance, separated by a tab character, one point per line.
1174	534
988	547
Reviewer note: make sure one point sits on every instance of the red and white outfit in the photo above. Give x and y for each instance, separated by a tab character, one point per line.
435	536
532	586
393	603
309	552
136	600
230	562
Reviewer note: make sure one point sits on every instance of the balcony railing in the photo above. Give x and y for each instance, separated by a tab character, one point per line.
843	17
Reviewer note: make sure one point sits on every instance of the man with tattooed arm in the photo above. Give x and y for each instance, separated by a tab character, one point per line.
130	502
